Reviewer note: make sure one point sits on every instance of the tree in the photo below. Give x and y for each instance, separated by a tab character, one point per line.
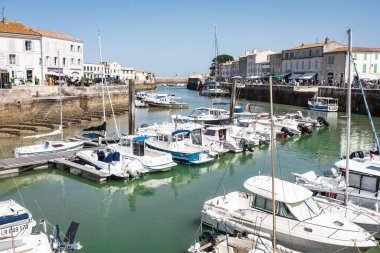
221	59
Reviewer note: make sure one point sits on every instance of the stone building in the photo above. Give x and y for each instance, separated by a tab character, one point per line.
275	63
127	73
305	61
367	62
225	71
258	63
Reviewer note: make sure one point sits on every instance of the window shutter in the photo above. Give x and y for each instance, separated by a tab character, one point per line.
17	60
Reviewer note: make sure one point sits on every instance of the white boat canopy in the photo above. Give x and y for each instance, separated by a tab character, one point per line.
364	168
295	76
285	191
307	76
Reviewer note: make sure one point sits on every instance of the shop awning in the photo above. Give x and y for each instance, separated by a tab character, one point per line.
369	76
295	76
253	77
307	76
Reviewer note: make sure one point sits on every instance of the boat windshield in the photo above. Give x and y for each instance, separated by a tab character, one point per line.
199	112
305	210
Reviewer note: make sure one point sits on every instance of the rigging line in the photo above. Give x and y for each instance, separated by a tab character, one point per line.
18	190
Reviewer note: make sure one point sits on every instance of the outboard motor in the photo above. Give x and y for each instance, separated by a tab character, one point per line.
287	131
322	121
245	145
357	154
304	129
144	125
207	236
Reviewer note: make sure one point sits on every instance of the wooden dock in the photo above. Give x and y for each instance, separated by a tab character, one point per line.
60	160
86	172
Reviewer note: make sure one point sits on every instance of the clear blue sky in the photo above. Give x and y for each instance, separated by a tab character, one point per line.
176	37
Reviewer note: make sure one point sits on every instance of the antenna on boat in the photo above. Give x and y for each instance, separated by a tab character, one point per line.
103	76
60	94
348	137
272	151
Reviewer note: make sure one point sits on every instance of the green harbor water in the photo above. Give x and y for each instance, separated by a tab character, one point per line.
161	212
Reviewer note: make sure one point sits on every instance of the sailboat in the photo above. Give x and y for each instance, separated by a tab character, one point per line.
212	87
48	147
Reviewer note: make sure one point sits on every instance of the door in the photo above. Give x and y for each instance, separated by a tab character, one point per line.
29	75
138	148
330	77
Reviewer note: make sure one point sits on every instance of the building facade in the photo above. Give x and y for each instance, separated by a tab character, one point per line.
307	60
258	63
367	61
112	70
144	76
235	68
93	70
275	63
127	74
225	69
29	55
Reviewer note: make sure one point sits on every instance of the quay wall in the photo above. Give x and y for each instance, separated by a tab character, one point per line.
25	103
281	94
298	96
164	80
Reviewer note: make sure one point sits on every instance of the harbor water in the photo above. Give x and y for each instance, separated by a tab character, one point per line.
161	212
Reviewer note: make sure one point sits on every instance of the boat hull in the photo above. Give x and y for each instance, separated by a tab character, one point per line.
78	146
167	105
186	158
324	108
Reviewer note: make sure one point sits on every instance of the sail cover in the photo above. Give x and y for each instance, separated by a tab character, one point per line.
100	128
56	132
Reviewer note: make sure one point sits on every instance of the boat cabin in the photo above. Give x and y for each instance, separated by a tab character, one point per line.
323	103
220	133
203	111
299	205
135	143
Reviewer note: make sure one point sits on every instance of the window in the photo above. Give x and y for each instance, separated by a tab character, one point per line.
79	61
263	203
72	61
355	56
376	56
296	65
316	65
28	45
78	49
72	48
364	68
330	60
64	61
368	183
55	61
91	68
309	65
84	68
303	65
47	59
375	68
291	65
12	59
365	56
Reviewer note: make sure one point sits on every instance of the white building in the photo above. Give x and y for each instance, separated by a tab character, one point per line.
144	76
225	70
235	68
31	55
367	62
93	70
258	63
127	74
112	70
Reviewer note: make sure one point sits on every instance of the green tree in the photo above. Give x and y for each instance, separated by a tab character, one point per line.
224	58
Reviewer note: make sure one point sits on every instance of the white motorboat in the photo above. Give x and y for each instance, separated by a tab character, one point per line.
282	125
301	223
111	162
250	134
48	147
134	148
33	243
363	183
298	117
221	134
210	116
213	89
326	104
166	103
173	142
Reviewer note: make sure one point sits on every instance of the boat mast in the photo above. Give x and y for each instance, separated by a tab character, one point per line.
348	137
101	63
60	94
216	54
272	151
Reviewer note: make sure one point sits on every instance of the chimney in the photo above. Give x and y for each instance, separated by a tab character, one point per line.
302	44
327	40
